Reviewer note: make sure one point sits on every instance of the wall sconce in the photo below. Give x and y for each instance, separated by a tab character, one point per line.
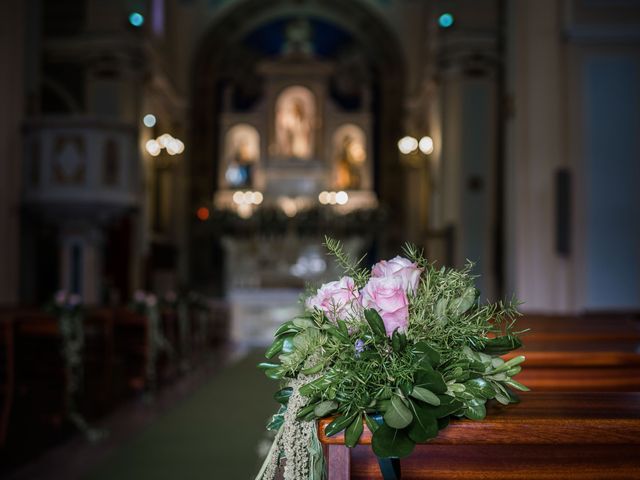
408	145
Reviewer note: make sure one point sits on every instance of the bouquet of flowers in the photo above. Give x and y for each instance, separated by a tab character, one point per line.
401	348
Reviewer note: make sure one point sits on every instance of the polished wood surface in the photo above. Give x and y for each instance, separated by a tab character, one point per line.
546	417
547	436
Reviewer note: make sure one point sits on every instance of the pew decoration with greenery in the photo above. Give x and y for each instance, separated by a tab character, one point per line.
67	308
146	303
403	348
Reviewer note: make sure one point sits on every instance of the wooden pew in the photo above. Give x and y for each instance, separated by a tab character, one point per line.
580	353
548	435
7	374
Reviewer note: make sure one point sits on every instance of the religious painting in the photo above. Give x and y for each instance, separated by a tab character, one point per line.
295	121
241	153
350	156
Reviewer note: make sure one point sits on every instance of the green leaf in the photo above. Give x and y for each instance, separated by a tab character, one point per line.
517	385
324	408
440	310
303	412
424	426
431	380
390	442
375	322
353	432
285	328
475	410
275	348
479	387
406	388
342	326
448	406
371	423
398	414
464	302
314	369
303	323
425	395
308	389
501	345
267	365
395	341
338	425
282	396
443	422
424	349
287	345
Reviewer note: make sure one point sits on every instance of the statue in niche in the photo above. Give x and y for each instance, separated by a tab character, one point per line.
351	156
295	112
242	150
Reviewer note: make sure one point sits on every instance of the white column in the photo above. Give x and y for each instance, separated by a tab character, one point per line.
536	148
11	117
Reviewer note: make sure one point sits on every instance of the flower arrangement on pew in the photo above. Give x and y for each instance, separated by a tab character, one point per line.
146	303
401	348
68	309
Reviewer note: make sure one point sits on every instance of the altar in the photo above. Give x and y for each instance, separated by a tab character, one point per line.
294	166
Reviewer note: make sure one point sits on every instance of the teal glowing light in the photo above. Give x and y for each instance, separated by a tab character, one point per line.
445	20
136	19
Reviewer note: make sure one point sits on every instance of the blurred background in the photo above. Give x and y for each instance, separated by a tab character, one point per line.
171	167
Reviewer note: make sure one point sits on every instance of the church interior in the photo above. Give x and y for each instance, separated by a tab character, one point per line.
170	169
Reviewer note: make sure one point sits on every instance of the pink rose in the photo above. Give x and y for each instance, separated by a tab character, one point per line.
388	297
336	299
399	267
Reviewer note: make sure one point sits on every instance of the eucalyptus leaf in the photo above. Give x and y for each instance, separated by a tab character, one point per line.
425	395
389	442
398	414
353	432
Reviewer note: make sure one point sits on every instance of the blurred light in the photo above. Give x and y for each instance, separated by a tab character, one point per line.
445	20
342	198
179	146
407	144
323	198
332	198
136	19
164	140
153	147
289	207
235	175
203	213
149	120
238	198
245	211
426	145
257	198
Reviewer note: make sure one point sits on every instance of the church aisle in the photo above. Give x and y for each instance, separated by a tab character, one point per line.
213	434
